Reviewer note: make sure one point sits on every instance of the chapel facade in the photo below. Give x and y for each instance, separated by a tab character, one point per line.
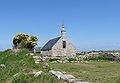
59	46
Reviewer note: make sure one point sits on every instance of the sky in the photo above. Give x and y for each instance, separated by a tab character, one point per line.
90	24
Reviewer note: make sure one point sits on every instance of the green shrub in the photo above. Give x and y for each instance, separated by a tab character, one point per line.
58	56
79	54
99	58
49	55
53	59
7	50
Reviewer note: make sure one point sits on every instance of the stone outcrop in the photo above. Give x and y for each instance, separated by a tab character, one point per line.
38	73
2	65
67	77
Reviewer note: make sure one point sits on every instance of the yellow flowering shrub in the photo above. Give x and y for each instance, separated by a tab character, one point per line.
33	38
21	41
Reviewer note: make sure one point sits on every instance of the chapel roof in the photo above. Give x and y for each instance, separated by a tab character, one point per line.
50	44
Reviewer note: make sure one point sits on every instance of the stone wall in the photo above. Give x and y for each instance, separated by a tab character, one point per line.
58	49
46	52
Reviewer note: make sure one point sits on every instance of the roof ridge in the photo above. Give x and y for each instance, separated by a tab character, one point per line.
55	38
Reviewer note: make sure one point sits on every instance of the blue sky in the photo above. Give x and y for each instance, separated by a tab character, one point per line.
90	24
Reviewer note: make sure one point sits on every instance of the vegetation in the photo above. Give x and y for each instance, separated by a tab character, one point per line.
71	59
18	68
31	79
95	51
80	54
53	59
93	72
21	41
99	58
112	51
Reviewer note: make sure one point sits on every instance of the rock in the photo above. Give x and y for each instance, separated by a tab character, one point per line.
27	54
43	59
34	72
52	72
38	73
84	61
31	54
58	74
74	61
53	62
112	56
64	72
67	77
16	74
46	64
80	81
65	61
37	62
2	65
59	61
36	57
71	80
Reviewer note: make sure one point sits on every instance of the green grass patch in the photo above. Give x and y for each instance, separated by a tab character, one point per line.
44	78
21	63
93	71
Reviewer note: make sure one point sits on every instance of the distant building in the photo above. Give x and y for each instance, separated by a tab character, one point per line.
59	46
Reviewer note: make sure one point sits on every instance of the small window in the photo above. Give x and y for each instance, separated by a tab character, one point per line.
64	44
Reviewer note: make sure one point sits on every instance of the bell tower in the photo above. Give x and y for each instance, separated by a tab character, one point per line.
63	31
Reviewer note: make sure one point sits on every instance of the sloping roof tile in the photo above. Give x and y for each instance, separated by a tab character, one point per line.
50	44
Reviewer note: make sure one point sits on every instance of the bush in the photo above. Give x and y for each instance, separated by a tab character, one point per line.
53	59
79	54
21	41
7	50
99	58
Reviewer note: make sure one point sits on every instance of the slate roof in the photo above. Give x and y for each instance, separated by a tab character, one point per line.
50	44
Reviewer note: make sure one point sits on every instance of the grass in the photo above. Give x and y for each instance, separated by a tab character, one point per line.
93	72
99	58
44	78
22	64
19	63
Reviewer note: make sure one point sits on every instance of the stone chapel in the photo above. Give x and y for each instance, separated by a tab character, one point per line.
59	46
